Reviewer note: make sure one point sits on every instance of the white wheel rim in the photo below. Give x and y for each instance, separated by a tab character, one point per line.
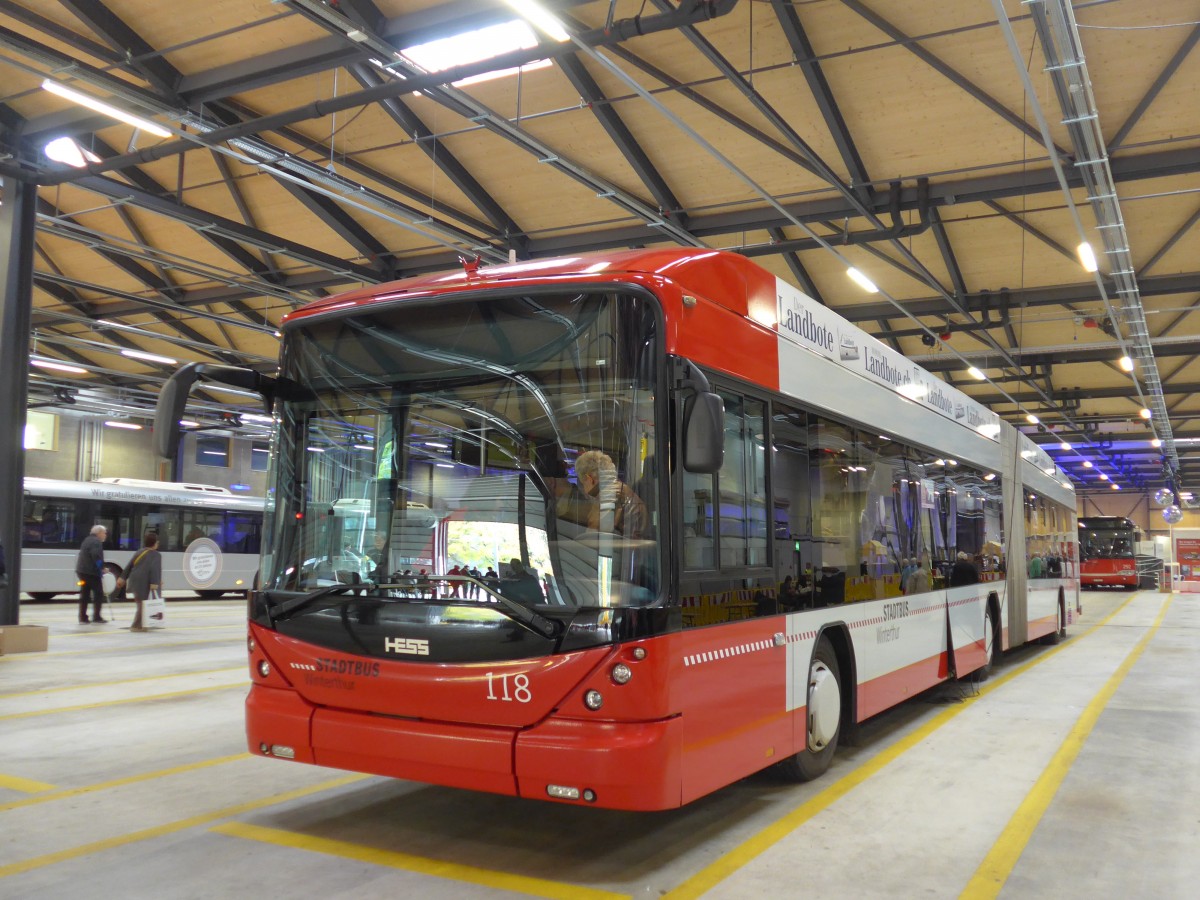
824	706
989	637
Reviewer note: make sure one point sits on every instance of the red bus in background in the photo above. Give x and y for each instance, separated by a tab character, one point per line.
622	529
1107	552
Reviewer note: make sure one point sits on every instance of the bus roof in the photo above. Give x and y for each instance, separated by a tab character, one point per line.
687	267
167	493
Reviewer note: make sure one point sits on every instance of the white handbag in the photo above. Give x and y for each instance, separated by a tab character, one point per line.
154	611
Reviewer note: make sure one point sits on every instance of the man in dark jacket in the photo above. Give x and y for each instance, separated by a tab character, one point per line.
964	571
89	565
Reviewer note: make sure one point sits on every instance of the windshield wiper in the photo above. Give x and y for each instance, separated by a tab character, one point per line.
290	606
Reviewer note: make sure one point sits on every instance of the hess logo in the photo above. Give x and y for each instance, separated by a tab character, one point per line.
410	646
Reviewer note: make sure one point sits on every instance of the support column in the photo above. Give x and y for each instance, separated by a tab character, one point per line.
16	302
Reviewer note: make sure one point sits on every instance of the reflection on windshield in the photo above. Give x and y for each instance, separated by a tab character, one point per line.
473	449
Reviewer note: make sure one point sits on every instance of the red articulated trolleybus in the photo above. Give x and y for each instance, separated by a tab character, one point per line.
531	529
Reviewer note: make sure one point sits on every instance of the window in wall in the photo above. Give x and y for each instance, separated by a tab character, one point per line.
260	455
212	451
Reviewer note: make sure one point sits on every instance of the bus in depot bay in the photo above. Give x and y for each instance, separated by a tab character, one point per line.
1107	552
210	538
529	526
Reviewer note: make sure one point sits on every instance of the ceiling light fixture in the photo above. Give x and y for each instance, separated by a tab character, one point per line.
57	366
1087	257
1145	413
150	357
100	106
1126	364
1032	419
1064	446
128	426
69	151
862	280
540	19
976	374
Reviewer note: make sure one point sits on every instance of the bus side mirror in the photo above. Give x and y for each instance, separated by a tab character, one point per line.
172	399
703	433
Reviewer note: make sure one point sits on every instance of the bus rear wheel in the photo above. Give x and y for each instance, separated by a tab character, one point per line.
42	596
824	714
209	595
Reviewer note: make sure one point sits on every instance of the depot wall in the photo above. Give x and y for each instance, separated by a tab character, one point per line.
84	449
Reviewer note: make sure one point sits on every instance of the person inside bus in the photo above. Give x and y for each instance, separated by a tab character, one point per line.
964	571
613	504
89	567
378	557
789	595
143	575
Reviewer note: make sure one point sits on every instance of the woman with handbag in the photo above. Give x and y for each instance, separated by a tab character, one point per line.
143	575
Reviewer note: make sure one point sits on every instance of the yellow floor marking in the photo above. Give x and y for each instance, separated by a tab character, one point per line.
24	785
116	782
118	648
996	867
536	887
145	834
143	699
717	871
99	684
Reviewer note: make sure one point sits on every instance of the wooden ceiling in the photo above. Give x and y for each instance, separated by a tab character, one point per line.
904	138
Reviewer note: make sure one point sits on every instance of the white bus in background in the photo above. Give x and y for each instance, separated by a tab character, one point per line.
209	536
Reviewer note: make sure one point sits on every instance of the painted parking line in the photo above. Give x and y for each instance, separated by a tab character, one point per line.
996	867
101	684
421	865
750	849
146	834
145	698
24	785
53	794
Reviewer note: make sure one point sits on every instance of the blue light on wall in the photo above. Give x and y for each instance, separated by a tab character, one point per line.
239	487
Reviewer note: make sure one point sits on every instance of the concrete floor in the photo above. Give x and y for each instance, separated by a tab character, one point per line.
1071	773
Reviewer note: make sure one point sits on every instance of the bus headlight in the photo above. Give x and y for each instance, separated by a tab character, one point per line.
264	668
593	700
621	673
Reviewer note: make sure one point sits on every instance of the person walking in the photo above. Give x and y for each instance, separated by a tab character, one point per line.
143	575
89	567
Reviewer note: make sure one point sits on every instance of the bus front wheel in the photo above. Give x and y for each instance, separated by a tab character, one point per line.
824	714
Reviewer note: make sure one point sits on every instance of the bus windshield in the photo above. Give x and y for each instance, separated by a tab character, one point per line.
471	450
1106	542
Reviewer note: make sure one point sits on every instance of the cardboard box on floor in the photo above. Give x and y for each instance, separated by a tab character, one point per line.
23	638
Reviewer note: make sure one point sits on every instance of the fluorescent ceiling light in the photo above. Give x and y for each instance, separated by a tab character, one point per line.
57	366
541	19
150	357
188	423
129	426
68	150
1032	419
362	446
862	280
100	106
1087	257
976	374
